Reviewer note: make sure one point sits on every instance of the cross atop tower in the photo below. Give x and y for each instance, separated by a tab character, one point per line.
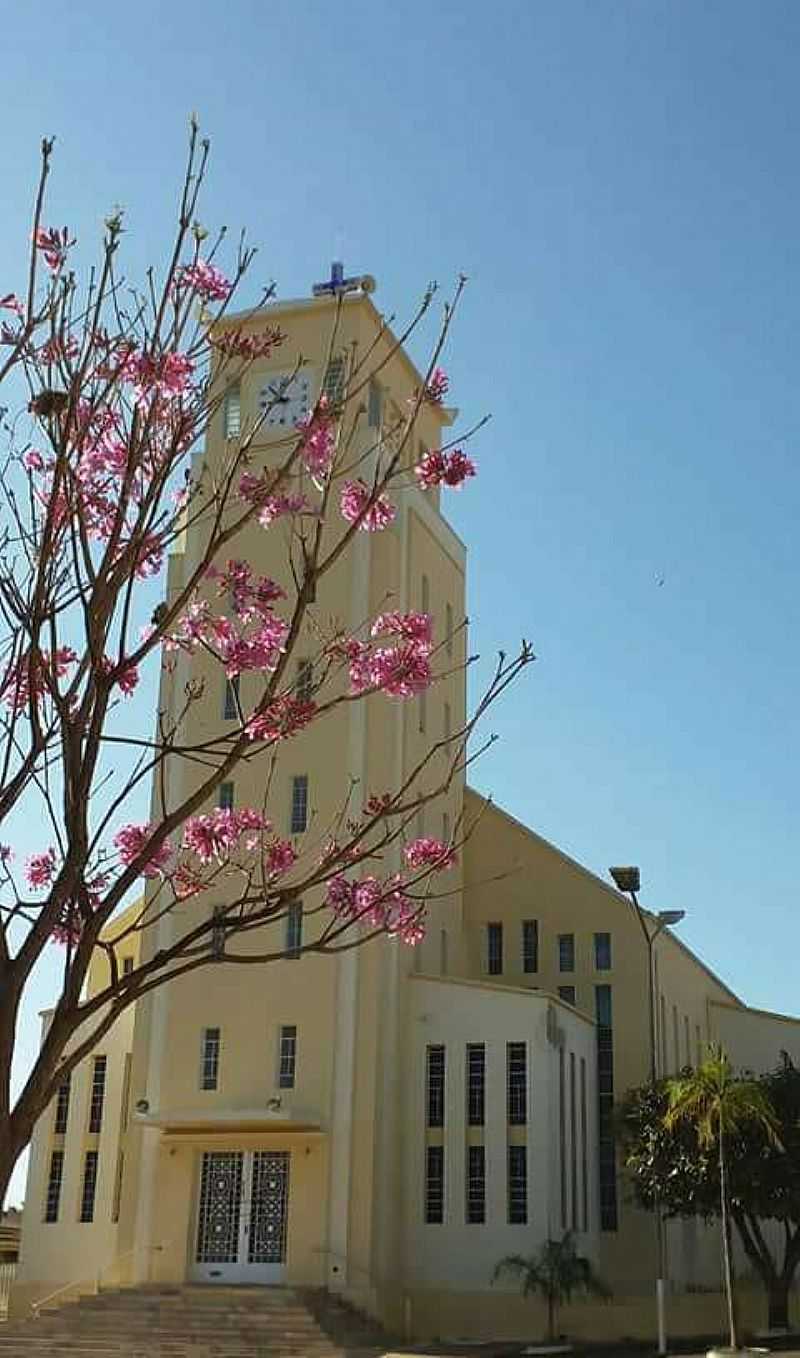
338	284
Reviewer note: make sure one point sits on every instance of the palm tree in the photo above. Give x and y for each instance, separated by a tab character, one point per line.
719	1105
555	1272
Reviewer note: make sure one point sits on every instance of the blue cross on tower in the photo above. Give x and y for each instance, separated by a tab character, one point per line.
337	283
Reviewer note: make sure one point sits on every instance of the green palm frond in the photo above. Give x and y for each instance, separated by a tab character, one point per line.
713	1096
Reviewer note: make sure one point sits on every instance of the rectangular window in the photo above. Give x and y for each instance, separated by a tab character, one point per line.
127	966
698	1046
517	1083
448	627
117	1187
231	700
663	1035
676	1049
476	1084
287	1061
304	684
54	1186
209	1072
530	945
62	1107
517	1185
602	1005
294	929
232	412
374	405
89	1186
434	1185
333	385
566	952
476	1185
686	1040
225	796
299	816
434	1084
567	994
494	949
98	1094
602	952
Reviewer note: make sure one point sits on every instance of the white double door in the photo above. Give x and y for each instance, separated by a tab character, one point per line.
241	1217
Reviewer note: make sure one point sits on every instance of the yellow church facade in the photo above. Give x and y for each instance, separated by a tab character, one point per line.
389	1122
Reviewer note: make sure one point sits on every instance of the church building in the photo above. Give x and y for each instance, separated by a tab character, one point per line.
391	1121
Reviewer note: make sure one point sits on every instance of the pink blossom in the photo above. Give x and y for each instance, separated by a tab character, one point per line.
319	441
339	896
401	671
57	349
167	375
40	869
128	679
254	490
206	280
12	303
284	717
24	678
134	840
437	386
450	469
281	857
186	883
414	627
33	460
427	852
355	506
215	835
53	245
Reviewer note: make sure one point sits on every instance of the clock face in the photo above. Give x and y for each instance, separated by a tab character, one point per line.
286	398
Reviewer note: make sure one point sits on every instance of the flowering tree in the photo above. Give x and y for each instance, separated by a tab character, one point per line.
99	479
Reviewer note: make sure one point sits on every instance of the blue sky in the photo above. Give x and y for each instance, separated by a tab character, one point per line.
619	181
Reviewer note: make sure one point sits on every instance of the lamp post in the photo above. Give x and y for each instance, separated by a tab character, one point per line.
628	881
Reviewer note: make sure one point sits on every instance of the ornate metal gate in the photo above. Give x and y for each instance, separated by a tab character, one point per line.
241	1216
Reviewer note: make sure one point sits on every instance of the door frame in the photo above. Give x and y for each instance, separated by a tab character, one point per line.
239	1271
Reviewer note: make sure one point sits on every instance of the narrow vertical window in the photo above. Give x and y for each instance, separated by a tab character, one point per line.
89	1186
374	405
231	702
126	1093
573	1141
494	949
54	1186
476	1084
476	1185
663	1009
686	1040
602	1005
299	813
562	1138
232	412
98	1094
287	1061
209	1072
225	796
530	945
517	1185
448	627
675	1040
127	966
434	1185
602	952
605	1109
566	952
294	929
567	994
517	1083
698	1046
333	385
584	1149
304	683
434	1082
62	1107
117	1187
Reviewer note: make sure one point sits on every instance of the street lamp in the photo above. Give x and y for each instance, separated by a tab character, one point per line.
628	881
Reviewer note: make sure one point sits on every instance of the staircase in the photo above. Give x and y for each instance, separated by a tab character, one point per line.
195	1322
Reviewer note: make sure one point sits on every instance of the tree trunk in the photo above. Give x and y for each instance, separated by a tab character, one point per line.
727	1272
778	1298
9	1155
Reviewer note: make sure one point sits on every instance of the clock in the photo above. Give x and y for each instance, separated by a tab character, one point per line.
286	397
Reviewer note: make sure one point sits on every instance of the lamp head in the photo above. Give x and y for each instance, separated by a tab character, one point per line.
625	879
666	917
